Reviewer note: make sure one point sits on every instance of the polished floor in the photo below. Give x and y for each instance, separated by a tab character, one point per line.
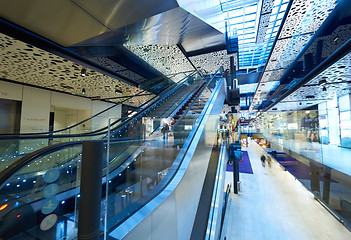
271	204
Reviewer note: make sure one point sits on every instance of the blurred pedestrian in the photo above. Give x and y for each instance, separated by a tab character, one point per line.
263	159
165	130
269	160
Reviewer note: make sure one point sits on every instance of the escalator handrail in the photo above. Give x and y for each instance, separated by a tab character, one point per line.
20	163
96	132
169	177
6	174
218	71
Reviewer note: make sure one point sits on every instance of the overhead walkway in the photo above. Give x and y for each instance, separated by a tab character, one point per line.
43	186
272	204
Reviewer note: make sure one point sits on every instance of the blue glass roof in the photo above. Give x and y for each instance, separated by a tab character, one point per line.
243	21
247	88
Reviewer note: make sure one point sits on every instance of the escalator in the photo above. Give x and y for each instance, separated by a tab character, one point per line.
39	193
13	147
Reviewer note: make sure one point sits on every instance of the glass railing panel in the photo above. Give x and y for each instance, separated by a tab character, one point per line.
297	131
40	199
331	186
295	143
140	173
146	162
11	150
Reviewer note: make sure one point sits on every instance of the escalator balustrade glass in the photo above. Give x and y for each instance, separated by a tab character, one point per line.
40	198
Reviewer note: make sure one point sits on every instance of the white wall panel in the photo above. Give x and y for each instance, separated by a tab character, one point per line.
102	119
37	104
11	91
35	110
70	101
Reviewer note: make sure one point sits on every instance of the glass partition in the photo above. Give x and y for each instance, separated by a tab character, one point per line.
323	169
12	149
149	163
40	200
28	188
345	121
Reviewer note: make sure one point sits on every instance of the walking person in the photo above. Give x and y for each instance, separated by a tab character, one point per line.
165	130
269	160
263	159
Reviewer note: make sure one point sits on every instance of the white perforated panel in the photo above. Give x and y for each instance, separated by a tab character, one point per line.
24	63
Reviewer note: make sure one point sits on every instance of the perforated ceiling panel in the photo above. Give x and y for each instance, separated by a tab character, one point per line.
266	10
24	63
302	21
114	66
168	59
211	62
338	83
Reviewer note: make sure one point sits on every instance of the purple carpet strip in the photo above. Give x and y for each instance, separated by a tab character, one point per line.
244	164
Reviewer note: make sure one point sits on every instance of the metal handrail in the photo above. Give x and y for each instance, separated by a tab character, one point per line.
175	166
96	132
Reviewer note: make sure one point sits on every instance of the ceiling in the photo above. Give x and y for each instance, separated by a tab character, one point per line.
158	33
310	35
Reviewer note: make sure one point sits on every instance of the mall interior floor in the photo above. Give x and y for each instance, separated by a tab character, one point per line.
271	204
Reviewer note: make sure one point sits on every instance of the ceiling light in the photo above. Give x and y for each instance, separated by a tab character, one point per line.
118	91
310	97
83	90
3	207
336	39
83	72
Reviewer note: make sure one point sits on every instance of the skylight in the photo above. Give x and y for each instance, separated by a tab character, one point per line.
247	88
245	19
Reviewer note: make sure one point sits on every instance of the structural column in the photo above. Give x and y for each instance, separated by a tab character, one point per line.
90	191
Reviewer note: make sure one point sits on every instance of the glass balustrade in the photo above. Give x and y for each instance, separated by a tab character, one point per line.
297	145
14	148
150	163
41	198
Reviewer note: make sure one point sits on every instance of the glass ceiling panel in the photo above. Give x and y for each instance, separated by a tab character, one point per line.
243	18
247	88
250	17
251	9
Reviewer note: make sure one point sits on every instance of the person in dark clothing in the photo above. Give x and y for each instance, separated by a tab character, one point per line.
263	160
165	130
